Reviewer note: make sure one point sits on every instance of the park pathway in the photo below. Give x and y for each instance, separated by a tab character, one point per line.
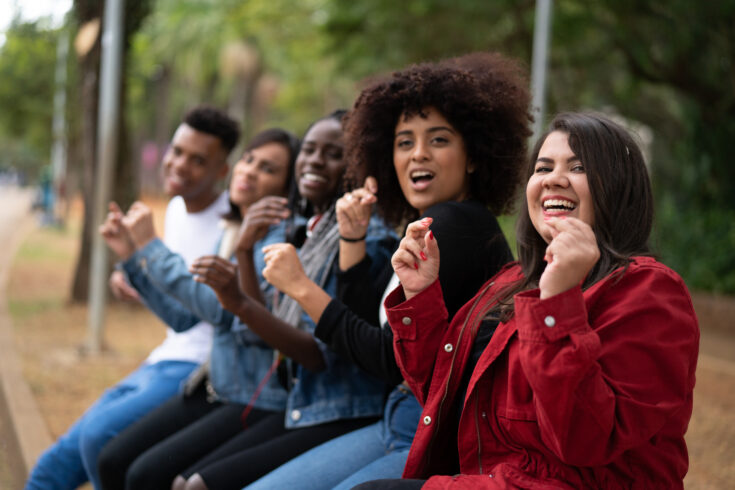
23	433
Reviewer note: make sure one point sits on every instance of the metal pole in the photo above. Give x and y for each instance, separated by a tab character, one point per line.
108	119
541	32
58	150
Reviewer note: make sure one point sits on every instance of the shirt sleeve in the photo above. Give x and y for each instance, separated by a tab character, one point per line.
168	272
609	379
355	339
169	310
472	247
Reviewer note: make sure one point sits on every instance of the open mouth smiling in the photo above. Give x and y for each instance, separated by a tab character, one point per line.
559	205
421	176
315	178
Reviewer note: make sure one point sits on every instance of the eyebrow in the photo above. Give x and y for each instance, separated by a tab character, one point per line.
571	159
430	130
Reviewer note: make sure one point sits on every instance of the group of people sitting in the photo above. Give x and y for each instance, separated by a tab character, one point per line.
311	347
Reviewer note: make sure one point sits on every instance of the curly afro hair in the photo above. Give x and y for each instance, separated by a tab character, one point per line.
484	96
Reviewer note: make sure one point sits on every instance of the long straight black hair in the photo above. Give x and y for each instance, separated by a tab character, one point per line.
621	197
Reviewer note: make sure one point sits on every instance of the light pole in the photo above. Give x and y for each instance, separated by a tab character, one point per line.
107	137
541	35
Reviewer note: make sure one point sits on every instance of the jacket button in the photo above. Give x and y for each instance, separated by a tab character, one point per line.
427	420
448	347
406	320
295	414
550	321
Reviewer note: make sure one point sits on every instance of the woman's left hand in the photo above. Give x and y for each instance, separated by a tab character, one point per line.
570	256
221	275
283	268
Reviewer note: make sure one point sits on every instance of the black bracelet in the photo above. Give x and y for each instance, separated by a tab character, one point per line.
353	240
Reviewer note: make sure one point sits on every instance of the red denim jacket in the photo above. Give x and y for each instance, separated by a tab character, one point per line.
585	389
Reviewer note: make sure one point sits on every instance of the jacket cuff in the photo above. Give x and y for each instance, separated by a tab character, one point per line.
407	316
550	319
140	257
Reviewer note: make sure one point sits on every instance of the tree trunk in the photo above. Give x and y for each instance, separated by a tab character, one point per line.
89	67
126	188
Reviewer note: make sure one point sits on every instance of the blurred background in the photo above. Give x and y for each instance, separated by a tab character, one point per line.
667	68
664	69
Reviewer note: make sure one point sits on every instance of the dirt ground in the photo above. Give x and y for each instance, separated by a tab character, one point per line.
49	333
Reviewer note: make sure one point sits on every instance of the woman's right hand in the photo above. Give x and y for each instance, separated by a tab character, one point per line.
354	209
268	211
221	275
416	261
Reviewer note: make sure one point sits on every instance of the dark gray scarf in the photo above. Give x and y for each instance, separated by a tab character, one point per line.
317	257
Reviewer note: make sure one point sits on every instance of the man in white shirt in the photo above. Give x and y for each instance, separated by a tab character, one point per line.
195	162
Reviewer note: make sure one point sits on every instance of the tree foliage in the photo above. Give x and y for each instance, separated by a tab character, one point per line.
27	61
665	66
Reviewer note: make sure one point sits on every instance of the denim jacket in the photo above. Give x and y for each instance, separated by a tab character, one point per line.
239	359
340	391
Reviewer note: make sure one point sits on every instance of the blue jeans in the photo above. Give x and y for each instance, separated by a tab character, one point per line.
72	459
376	451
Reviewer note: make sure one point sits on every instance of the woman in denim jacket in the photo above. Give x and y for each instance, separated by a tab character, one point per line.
328	396
239	360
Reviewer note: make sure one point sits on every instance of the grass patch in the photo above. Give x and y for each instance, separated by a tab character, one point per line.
508	225
21	310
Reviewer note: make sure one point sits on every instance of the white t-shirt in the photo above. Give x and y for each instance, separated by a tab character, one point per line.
392	284
190	235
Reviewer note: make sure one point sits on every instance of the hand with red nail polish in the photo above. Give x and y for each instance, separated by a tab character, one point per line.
416	261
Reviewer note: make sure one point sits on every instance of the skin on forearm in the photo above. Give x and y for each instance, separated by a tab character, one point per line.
311	298
294	343
350	253
247	276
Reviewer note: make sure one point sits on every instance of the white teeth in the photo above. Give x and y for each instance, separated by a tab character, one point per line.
314	177
417	174
559	203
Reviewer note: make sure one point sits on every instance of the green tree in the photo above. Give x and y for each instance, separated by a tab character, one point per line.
27	61
668	65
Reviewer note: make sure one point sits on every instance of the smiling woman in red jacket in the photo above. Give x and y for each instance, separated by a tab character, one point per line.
572	368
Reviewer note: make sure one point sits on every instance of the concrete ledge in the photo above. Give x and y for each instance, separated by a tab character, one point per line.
31	433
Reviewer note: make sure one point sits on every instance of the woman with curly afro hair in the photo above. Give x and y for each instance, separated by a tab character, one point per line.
444	142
